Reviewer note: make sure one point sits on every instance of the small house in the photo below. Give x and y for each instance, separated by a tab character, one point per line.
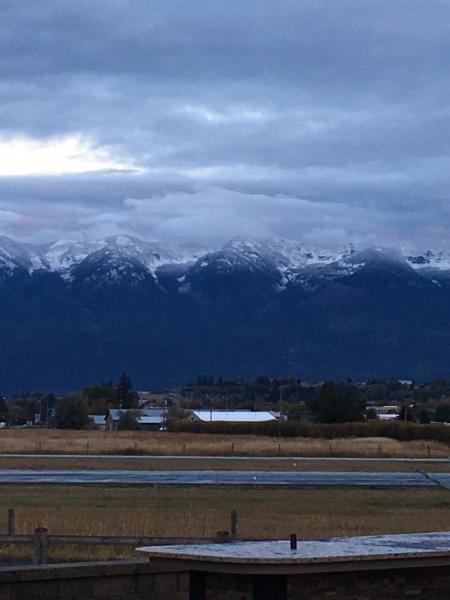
149	419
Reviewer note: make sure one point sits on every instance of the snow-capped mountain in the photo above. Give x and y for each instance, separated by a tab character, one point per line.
14	255
293	262
64	256
74	313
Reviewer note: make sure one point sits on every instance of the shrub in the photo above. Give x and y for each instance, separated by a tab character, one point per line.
72	412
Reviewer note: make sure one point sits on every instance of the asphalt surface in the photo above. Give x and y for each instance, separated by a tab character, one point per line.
442	479
192	478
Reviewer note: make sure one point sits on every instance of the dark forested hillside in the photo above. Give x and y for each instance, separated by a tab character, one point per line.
225	314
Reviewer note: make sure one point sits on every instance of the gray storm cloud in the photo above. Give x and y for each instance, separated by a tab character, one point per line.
314	120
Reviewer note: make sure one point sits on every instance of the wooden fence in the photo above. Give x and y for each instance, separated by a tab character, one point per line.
40	538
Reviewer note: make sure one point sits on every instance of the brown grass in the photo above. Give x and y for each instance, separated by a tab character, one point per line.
124	442
213	464
263	513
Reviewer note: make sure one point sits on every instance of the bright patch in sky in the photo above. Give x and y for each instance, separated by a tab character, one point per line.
68	154
231	115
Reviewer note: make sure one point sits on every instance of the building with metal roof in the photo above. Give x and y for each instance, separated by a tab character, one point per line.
149	419
234	416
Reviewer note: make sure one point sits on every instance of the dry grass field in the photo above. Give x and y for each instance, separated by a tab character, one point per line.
124	442
217	464
171	511
263	513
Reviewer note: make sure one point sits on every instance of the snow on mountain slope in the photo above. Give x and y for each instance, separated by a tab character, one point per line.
240	254
60	256
285	256
294	262
13	255
431	264
109	266
63	256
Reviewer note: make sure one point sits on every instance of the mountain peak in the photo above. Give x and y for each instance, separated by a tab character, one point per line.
251	306
295	262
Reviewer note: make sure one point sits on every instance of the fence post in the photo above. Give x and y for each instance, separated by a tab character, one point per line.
234	524
11	521
40	546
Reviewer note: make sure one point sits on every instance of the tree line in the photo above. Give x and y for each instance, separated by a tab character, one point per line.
298	401
348	400
72	410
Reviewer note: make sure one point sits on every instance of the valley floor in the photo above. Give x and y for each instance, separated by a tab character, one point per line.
57	441
185	463
267	512
263	513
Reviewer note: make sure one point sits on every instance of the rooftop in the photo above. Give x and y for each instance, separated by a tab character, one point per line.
323	550
243	416
98	419
144	415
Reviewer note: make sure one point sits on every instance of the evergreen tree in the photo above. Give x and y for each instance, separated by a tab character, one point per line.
125	393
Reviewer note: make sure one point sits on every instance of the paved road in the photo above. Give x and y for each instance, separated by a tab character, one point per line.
442	479
272	478
225	457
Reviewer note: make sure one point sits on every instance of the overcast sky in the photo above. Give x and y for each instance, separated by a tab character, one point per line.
319	120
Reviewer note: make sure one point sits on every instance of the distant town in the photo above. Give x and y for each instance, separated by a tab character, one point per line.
118	406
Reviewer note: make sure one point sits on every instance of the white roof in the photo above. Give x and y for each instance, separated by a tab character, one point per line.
149	420
235	416
144	415
388	416
98	419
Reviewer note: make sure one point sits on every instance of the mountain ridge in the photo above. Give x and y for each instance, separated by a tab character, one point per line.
74	314
294	261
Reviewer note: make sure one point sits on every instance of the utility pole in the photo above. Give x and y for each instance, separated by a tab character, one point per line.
279	410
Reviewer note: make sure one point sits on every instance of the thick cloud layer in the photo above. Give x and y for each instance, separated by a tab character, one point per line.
312	119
